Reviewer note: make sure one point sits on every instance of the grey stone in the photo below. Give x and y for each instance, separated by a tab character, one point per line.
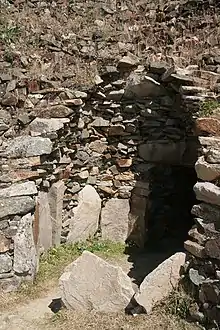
56	195
44	222
84	222
128	61
100	122
54	111
10	284
114	220
207	192
164	152
160	282
27	146
206	171
16	205
212	248
47	125
116	130
25	254
90	283
195	248
207	212
195	277
209	141
98	146
141	86
5	263
19	189
213	156
116	95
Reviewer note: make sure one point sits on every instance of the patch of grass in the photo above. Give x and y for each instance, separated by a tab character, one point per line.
52	264
9	34
178	304
54	261
208	107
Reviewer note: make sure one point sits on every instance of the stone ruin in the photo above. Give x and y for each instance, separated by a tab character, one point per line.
125	160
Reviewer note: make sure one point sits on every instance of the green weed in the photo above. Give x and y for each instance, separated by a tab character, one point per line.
207	108
8	34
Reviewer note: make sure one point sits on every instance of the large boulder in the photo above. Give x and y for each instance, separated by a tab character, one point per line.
90	283
40	126
84	222
160	282
114	220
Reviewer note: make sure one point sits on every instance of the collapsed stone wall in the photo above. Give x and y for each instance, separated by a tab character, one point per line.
77	163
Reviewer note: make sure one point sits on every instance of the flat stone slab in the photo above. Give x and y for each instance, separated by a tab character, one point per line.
19	189
160	282
84	222
114	220
16	205
90	283
28	146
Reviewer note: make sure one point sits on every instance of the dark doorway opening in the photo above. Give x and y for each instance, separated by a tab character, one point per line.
171	199
168	218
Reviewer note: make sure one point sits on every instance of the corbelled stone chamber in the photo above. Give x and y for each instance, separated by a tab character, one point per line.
118	161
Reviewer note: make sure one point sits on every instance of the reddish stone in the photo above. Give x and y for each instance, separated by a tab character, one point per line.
124	162
207	125
33	86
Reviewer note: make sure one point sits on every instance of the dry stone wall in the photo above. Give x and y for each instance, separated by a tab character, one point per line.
75	164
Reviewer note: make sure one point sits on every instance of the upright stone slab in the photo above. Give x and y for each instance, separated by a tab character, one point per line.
160	282
44	241
55	196
114	220
90	283
25	255
84	222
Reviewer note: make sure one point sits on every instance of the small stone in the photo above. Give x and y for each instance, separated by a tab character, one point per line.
85	134
9	99
94	170
212	248
90	283
195	249
100	122
4	243
116	130
195	277
128	61
116	95
80	95
10	284
74	102
158	67
206	171
54	111
213	156
124	162
5	263
84	175
207	192
207	212
98	146
24	119
81	123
